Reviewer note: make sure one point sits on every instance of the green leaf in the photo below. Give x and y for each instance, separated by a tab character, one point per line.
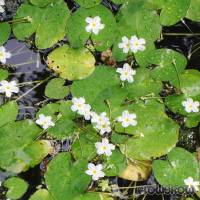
77	34
152	122
84	146
25	30
180	165
88	3
119	1
193	11
5	32
71	63
16	187
43	22
10	110
173	11
3	74
89	196
169	65
190	88
41	194
41	3
115	164
103	78
55	89
61	177
16	137
54	18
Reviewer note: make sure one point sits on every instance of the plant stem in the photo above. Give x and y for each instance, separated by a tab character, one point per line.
181	34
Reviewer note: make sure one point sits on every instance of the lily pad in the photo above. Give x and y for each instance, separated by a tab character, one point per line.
143	146
190	88
16	136
84	145
61	177
5	32
52	17
169	65
55	89
71	63
180	165
77	34
173	11
88	3
10	110
193	11
41	3
41	194
3	74
103	77
16	187
115	164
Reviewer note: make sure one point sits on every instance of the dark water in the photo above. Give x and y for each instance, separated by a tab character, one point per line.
28	65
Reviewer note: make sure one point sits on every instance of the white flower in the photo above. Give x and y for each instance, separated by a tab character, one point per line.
45	121
94	25
4	55
101	122
95	118
192	184
126	73
127	119
8	87
104	147
81	107
2	3
125	44
95	171
190	105
137	44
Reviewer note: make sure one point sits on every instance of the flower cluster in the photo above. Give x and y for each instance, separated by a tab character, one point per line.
101	123
133	45
190	105
126	73
94	25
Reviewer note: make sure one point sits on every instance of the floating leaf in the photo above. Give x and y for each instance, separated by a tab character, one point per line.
16	187
10	110
169	65
77	34
16	136
115	164
71	63
52	17
41	3
173	11
41	194
84	144
190	87
88	3
55	89
142	145
193	11
3	74
61	177
180	165
102	78
5	32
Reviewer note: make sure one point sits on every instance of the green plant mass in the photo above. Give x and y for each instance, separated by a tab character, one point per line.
99	99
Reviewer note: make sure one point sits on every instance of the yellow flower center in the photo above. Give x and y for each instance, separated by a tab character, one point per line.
94	171
94	24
